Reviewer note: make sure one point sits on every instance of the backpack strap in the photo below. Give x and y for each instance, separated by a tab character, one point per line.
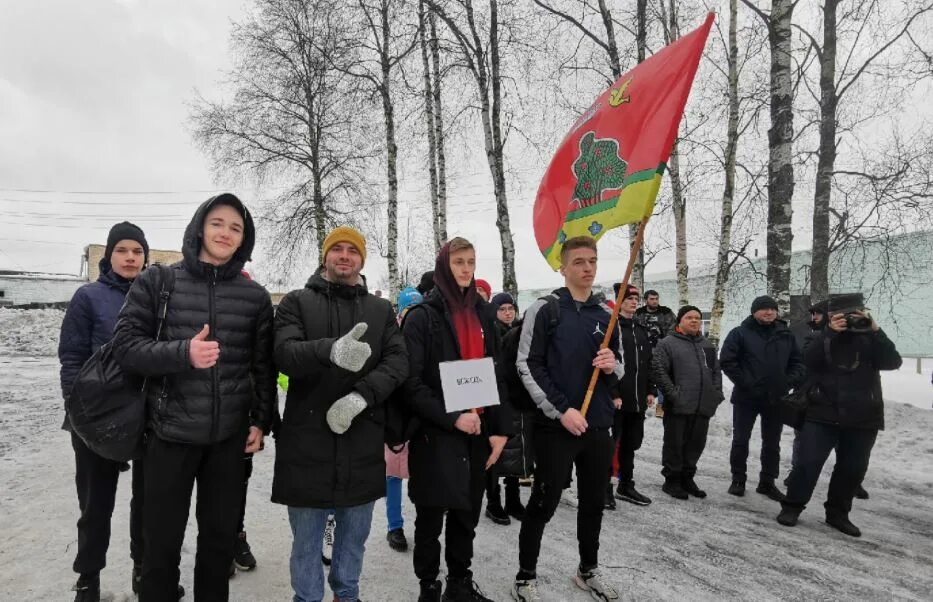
552	306
166	288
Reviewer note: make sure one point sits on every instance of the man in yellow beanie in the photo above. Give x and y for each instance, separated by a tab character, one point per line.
344	354
345	234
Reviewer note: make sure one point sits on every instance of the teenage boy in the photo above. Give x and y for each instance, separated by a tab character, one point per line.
558	350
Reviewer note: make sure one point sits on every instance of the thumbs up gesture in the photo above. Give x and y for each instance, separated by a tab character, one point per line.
349	352
201	352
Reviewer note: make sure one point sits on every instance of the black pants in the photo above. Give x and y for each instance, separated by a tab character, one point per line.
816	441
684	442
247	473
557	451
96	484
493	489
171	471
629	431
743	421
461	526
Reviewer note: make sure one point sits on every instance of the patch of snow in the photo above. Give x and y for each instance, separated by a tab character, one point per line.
30	332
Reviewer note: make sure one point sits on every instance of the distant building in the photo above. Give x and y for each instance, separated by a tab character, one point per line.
94	253
24	288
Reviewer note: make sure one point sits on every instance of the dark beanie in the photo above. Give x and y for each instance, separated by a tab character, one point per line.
501	299
123	231
683	311
764	302
427	282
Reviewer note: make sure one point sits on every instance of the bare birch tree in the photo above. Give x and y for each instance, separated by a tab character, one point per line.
293	117
480	51
780	236
870	38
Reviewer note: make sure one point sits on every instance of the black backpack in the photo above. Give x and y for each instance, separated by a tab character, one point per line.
107	406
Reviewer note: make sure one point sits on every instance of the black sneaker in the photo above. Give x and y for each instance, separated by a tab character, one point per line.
609	502
690	487
397	540
496	513
842	523
463	590
737	488
243	557
860	493
430	591
627	493
770	490
674	489
87	588
788	517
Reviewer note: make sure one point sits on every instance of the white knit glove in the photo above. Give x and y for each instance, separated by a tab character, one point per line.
348	352
344	410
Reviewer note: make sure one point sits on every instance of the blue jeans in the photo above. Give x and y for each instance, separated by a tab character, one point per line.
350	536
394	503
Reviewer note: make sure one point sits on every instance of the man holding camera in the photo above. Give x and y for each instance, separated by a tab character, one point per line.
845	411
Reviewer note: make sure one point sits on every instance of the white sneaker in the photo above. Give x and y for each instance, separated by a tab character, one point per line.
569	497
593	583
327	552
525	590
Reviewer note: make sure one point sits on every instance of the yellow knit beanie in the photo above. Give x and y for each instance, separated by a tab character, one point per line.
344	234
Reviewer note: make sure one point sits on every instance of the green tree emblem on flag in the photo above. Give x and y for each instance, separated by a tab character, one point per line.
598	168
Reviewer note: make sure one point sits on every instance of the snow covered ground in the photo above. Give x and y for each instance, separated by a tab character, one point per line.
718	548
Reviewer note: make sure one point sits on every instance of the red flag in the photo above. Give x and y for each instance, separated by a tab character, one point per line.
607	171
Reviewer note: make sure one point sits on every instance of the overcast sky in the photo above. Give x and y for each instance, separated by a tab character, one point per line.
93	109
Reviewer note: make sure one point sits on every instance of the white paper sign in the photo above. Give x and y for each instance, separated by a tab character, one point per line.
469	384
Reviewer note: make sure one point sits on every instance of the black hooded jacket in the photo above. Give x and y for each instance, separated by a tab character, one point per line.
209	405
440	458
315	467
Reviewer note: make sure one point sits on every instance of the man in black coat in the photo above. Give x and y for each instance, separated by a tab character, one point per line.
88	324
344	355
845	412
762	360
637	394
210	396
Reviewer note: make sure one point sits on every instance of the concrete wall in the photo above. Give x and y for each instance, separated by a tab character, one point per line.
28	288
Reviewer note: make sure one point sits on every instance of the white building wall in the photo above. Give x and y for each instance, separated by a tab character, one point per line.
19	290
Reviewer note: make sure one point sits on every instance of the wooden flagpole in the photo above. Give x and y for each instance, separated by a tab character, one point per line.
636	247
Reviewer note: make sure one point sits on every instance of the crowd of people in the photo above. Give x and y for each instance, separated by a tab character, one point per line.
354	367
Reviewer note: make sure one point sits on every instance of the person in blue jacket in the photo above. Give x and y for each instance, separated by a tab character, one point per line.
88	324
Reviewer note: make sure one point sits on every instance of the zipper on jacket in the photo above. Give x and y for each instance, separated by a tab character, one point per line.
215	369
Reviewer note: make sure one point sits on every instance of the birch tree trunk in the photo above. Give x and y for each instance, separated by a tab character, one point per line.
723	263
819	267
439	236
638	270
391	151
678	204
780	236
497	164
438	130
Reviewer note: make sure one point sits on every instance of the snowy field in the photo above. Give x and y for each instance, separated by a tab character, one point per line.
714	549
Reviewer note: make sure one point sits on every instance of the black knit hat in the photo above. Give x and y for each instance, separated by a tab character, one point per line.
427	282
123	231
764	302
683	311
501	299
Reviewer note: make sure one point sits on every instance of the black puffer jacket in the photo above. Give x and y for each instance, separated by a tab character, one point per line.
518	456
687	372
314	467
763	362
845	377
439	459
659	323
636	382
202	406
